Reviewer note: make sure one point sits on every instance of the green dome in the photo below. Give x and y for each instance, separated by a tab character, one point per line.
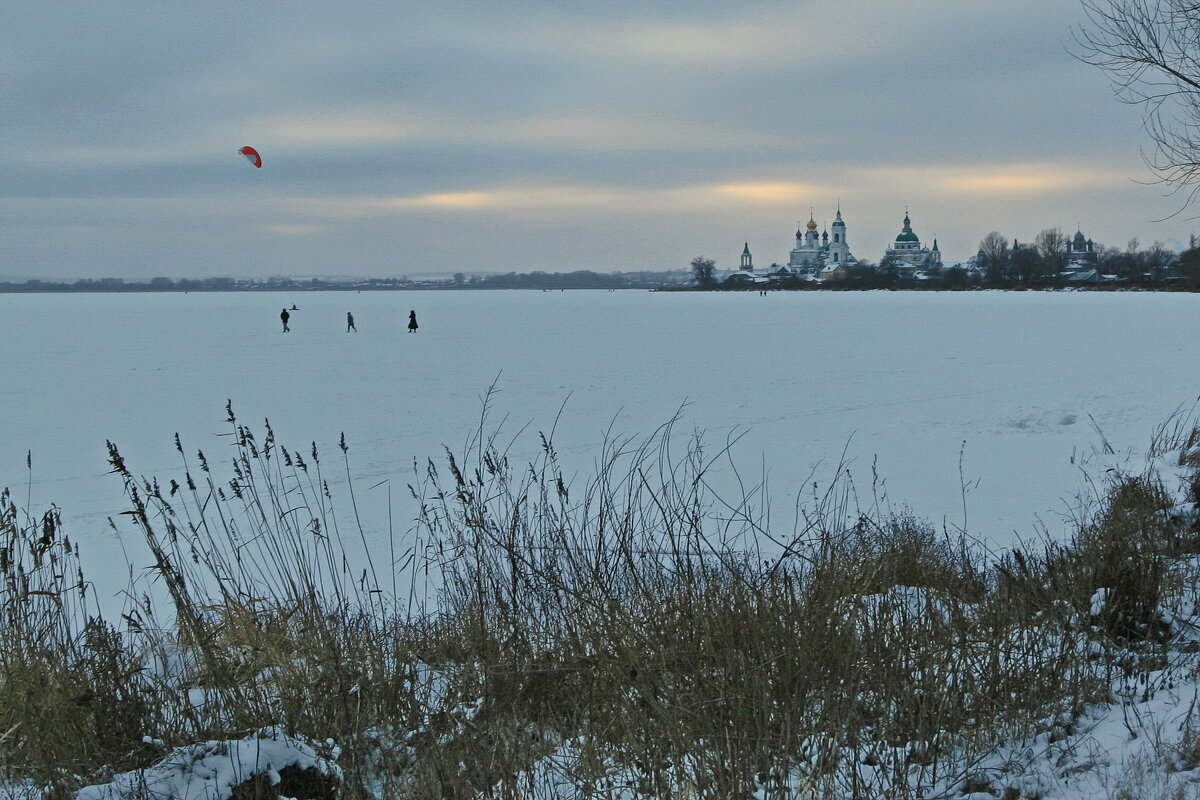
907	237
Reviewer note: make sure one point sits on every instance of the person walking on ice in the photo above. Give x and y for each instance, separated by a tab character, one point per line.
285	316
350	323
412	321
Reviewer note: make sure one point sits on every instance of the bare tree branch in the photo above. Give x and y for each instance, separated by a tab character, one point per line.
1151	51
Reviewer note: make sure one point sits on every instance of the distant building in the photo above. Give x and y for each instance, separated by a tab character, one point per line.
813	252
746	274
815	255
906	253
834	272
1081	253
1085	276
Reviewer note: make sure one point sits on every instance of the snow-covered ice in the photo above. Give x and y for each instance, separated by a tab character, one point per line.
901	381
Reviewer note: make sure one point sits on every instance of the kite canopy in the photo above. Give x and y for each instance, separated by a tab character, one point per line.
251	155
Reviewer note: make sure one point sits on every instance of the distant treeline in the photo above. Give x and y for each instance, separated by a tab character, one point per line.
581	279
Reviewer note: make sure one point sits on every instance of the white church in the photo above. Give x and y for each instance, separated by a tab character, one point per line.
907	254
815	255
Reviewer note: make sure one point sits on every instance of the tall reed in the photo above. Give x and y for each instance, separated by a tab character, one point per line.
634	629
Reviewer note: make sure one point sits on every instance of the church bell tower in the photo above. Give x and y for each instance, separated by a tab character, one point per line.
839	248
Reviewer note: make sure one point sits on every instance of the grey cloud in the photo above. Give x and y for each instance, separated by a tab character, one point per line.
119	102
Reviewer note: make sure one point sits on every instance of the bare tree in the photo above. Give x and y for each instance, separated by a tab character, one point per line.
1051	244
1189	267
1133	258
994	257
1027	263
1111	261
1151	50
703	269
1157	259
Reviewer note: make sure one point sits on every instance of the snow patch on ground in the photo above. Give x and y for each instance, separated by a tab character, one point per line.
211	770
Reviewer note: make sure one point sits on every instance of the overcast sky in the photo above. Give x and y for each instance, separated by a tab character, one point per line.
499	135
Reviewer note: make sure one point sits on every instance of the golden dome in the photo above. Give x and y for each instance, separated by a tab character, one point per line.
812	224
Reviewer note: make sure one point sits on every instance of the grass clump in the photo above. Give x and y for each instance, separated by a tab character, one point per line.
69	694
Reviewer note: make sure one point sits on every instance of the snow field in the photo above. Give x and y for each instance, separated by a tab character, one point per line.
988	393
1146	739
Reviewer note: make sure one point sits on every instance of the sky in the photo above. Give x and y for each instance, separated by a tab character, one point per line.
403	138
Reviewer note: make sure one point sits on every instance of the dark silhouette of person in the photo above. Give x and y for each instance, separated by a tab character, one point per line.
350	323
294	307
412	321
285	316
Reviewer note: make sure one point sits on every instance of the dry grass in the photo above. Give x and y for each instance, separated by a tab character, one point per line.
672	637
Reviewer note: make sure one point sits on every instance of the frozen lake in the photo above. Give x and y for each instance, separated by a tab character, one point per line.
900	378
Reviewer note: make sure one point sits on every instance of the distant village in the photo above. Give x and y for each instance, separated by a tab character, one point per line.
1052	259
818	260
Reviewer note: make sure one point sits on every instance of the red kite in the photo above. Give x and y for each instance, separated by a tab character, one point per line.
251	155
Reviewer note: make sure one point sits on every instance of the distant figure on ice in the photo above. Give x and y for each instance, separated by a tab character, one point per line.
412	322
285	316
350	323
294	307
